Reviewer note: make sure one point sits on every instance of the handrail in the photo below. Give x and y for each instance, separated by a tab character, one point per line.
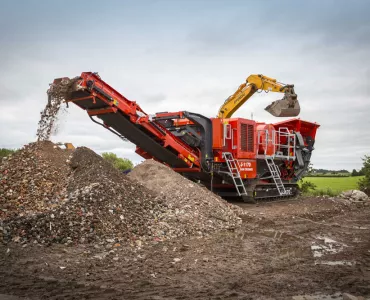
274	139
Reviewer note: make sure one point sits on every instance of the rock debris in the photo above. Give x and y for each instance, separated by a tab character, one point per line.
57	94
70	197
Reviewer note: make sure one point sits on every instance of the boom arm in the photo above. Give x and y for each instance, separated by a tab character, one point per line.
286	107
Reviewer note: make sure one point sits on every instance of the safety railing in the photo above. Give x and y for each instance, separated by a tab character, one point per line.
279	144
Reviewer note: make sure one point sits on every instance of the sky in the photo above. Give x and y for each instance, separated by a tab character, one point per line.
190	55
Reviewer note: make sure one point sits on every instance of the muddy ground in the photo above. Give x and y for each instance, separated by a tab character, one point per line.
306	246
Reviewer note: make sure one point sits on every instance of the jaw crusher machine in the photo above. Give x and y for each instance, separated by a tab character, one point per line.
233	157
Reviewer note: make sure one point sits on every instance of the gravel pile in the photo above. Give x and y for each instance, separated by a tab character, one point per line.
33	179
198	209
100	205
85	200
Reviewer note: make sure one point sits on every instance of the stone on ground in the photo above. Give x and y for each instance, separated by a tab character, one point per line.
354	195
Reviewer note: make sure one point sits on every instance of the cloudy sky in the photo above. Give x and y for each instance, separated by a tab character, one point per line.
190	55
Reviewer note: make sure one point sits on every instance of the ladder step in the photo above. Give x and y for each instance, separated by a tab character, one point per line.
232	165
275	173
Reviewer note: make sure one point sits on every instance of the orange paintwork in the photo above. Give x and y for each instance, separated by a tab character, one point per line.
247	168
237	136
217	128
266	143
182	122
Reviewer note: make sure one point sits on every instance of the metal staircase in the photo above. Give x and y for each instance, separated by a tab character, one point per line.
275	173
234	173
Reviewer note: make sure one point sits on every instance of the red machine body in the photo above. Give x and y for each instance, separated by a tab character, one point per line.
216	152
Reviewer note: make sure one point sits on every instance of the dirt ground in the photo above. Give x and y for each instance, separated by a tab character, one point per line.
307	246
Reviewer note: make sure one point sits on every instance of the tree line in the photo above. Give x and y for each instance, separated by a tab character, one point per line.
5	152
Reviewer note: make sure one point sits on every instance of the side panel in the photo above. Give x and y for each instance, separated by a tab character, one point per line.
247	168
217	128
241	141
246	146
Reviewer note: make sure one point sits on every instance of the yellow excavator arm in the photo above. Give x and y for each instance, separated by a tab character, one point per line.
286	107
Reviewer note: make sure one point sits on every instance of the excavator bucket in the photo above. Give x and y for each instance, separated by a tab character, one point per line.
286	107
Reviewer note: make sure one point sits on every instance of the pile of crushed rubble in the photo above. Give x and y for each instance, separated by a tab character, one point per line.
33	179
354	196
193	203
83	199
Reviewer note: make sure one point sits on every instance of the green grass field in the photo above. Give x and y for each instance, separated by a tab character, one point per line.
333	185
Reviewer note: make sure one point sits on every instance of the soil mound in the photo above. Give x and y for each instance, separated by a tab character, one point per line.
194	204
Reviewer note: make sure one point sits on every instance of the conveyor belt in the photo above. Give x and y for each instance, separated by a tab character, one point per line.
137	136
121	123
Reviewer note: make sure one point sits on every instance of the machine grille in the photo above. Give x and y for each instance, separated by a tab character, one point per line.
250	144
247	137
243	137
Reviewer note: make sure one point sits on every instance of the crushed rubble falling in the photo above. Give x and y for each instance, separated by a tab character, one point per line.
57	94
